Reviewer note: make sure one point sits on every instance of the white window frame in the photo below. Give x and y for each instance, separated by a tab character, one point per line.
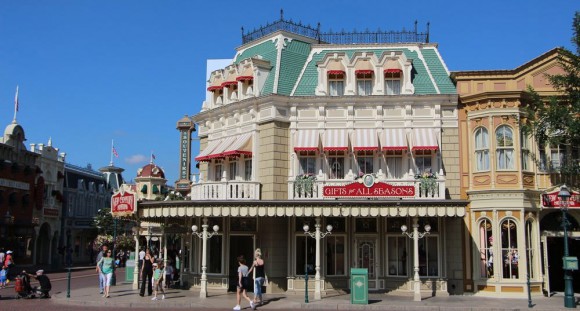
422	156
481	137
336	84
309	158
504	149
364	84
394	170
333	157
393	83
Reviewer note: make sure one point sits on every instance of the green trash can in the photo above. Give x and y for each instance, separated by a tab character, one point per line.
359	286
130	268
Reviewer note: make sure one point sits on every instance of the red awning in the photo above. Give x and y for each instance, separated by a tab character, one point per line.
364	72
244	78
306	140
424	139
237	146
365	140
205	153
394	139
214	88
229	83
335	72
335	140
393	70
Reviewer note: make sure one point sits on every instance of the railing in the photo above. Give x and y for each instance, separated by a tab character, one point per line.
340	37
315	192
229	190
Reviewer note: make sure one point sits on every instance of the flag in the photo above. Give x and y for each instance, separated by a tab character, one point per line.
16	100
115	152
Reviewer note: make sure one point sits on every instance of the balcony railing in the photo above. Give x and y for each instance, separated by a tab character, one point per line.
316	191
229	190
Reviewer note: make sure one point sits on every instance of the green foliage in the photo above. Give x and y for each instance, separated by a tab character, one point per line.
105	223
555	121
304	184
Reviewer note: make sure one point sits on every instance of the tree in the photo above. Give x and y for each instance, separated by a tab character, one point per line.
555	121
105	224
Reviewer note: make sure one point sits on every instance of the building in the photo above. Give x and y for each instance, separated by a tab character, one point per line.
21	193
306	129
48	216
511	233
86	191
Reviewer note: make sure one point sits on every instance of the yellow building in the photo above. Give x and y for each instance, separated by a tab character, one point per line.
511	233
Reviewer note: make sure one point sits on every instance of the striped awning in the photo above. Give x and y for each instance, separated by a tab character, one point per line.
211	146
306	140
335	140
365	139
424	139
217	152
239	146
394	139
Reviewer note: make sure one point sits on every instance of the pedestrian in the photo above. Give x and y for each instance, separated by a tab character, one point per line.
169	274
259	277
2	255
3	276
105	266
158	280
147	274
243	284
44	283
100	255
141	256
9	263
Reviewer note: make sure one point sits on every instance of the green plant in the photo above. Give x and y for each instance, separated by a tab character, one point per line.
304	183
427	182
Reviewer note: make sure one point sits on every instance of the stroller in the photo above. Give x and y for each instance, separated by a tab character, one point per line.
22	286
24	290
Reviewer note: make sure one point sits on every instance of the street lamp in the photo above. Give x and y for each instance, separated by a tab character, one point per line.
569	301
317	234
136	268
204	235
416	235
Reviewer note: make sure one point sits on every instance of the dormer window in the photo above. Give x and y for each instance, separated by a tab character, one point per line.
393	81
336	82
364	82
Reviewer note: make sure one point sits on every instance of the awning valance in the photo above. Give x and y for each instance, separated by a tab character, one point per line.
365	140
239	146
268	210
335	140
307	140
364	72
229	83
244	78
394	139
214	88
204	154
335	72
393	70
424	139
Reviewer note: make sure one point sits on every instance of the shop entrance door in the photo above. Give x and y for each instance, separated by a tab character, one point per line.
239	245
366	257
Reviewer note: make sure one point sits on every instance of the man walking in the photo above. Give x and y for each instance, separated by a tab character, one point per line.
102	284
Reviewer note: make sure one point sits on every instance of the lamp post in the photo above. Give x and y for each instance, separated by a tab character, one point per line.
416	235
68	266
318	235
569	301
204	235
136	268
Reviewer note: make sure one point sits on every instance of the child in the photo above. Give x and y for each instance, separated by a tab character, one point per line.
243	283
158	280
3	276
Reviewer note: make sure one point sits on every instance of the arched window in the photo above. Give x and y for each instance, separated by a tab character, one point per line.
481	149
509	249
486	249
504	148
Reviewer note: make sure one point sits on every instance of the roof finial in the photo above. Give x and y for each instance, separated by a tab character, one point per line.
50	141
281	14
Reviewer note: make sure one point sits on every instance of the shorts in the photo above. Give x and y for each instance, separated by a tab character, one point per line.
107	279
3	279
245	283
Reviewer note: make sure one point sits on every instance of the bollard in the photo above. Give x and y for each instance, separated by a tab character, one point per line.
68	284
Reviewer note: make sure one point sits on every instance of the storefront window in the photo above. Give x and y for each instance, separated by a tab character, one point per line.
509	249
397	255
335	255
486	249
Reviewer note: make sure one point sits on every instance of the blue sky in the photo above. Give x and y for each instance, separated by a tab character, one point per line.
126	70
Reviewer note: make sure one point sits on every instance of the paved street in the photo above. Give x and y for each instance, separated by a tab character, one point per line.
84	294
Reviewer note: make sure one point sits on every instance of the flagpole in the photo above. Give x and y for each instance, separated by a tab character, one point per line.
112	147
15	105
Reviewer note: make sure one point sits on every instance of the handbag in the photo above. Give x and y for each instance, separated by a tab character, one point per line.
266	281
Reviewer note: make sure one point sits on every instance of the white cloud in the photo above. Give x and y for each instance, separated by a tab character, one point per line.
136	159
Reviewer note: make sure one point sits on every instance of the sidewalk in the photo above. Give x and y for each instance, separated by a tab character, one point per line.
124	296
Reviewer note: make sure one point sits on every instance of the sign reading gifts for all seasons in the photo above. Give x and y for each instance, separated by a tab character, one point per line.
551	199
368	187
123	203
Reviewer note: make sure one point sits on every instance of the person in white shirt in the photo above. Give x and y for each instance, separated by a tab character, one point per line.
141	256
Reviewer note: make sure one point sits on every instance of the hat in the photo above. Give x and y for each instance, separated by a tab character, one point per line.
154	264
9	252
39	272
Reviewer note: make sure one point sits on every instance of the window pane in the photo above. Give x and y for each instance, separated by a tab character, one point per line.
509	249
428	256
393	87
397	255
248	169
233	170
394	167
214	254
308	165
217	176
335	255
486	249
365	165
336	167
305	255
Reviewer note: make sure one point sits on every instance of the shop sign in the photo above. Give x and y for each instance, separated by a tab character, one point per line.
50	212
367	186
551	199
123	203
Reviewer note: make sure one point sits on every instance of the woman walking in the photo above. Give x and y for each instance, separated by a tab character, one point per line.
147	274
242	283
105	267
259	278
